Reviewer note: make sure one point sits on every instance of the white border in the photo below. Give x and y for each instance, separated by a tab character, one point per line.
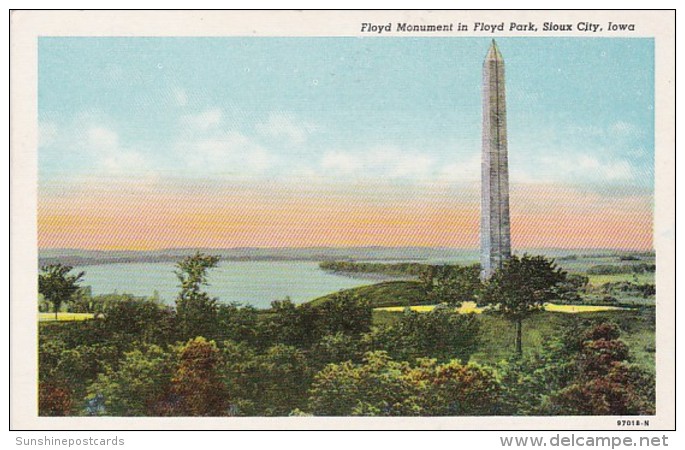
26	26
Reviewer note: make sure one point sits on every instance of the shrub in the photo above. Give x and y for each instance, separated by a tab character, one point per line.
380	386
197	386
441	334
138	387
54	399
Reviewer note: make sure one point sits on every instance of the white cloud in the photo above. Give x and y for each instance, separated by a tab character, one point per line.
205	120
123	161
341	162
180	96
226	152
381	162
568	167
625	129
209	148
465	171
102	138
619	171
109	156
87	145
283	126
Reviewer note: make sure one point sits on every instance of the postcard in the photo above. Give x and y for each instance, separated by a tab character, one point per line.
343	220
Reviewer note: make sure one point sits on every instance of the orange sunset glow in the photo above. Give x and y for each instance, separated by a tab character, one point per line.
148	217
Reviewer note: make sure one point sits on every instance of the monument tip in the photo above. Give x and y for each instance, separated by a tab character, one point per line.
494	53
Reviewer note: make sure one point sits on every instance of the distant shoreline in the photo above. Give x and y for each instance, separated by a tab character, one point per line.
81	262
79	258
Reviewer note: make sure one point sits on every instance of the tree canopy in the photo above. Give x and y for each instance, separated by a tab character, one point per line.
57	285
521	287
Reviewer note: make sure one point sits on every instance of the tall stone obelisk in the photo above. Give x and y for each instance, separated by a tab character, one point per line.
495	236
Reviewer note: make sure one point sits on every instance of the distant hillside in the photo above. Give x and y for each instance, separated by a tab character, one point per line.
76	257
432	255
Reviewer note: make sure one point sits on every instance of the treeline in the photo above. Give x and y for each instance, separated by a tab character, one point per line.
616	269
302	360
406	269
203	358
136	360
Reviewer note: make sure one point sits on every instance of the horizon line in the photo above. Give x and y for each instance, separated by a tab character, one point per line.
634	249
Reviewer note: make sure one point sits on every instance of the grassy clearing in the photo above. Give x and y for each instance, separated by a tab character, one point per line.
470	307
64	317
497	334
467	307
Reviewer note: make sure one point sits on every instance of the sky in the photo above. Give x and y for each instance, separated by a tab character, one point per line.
148	143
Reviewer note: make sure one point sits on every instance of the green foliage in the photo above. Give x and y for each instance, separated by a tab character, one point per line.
378	386
457	389
237	323
569	290
621	288
296	325
334	348
138	387
71	368
612	269
196	311
395	269
304	325
586	372
605	383
80	365
452	285
439	334
272	383
57	285
127	319
327	358
529	380
383	387
387	293
345	313
197	386
521	287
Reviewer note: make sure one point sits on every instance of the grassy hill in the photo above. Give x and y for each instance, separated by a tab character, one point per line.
497	334
387	293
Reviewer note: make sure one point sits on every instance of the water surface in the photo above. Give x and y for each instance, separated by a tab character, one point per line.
249	282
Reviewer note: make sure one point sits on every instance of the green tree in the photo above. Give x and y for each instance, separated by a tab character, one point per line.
377	387
57	285
521	287
380	386
238	323
270	383
457	389
291	324
345	313
451	284
140	386
196	310
335	348
440	333
130	319
604	382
